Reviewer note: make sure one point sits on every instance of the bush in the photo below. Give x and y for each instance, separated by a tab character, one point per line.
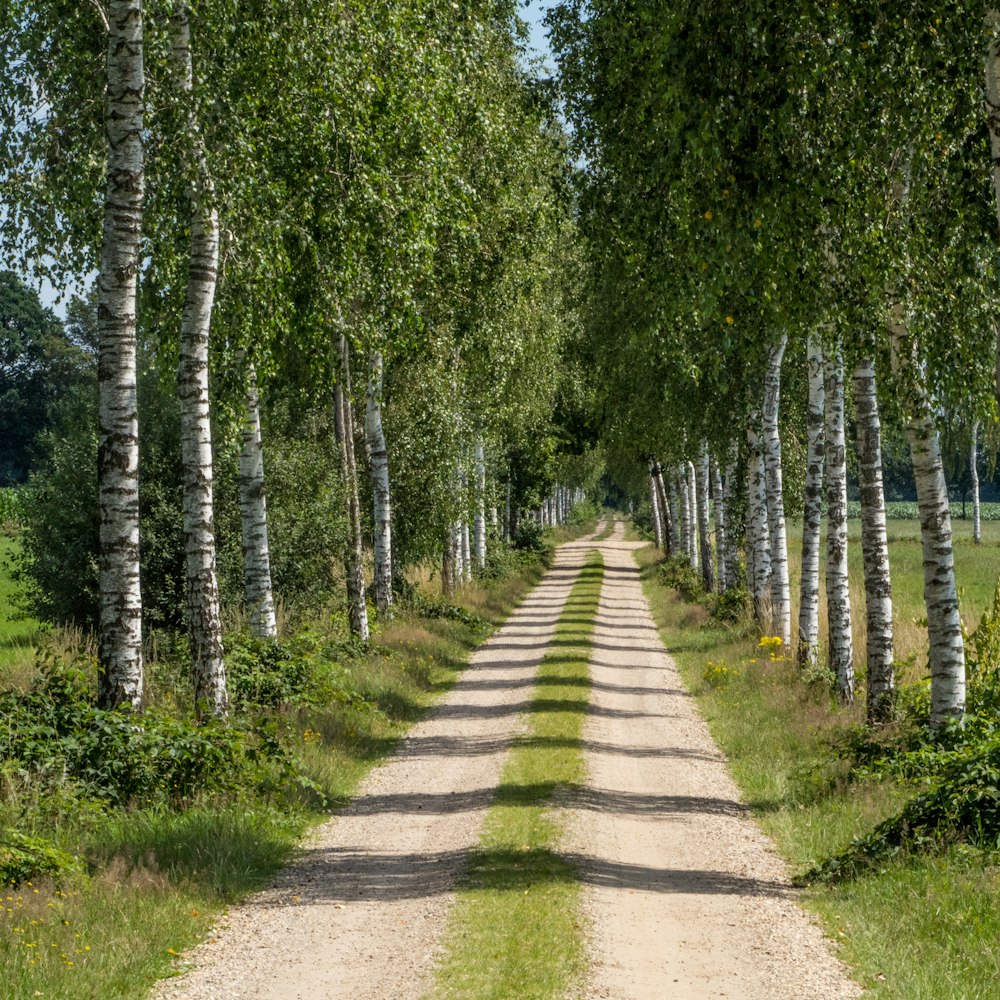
733	606
962	805
24	859
55	734
582	512
678	573
502	562
530	536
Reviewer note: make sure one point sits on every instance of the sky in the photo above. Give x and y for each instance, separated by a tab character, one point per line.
533	12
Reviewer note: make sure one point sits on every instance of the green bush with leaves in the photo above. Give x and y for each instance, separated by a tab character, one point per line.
55	734
24	858
677	572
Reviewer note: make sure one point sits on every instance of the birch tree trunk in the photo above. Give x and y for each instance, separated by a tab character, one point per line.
692	488
704	533
720	525
878	588
668	497
669	529
466	552
758	533
654	507
253	514
977	528
481	505
838	598
120	678
732	549
448	564
684	498
354	564
202	585
676	519
781	598
944	626
378	466
812	515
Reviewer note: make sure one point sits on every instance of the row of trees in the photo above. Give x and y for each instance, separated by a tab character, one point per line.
782	201
297	214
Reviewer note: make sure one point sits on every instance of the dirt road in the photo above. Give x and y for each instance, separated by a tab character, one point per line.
685	897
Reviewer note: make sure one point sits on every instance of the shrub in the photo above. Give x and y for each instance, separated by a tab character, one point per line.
54	733
733	606
678	573
24	859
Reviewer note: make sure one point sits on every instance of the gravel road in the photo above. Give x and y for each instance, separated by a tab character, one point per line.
685	898
359	912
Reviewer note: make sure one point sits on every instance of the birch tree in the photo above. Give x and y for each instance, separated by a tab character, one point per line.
781	602
838	596
344	425
808	647
120	681
378	461
257	582
875	548
204	619
704	535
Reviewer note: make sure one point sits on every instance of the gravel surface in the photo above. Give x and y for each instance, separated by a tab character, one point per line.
359	913
685	897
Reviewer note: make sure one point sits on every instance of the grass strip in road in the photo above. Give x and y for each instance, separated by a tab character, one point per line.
515	929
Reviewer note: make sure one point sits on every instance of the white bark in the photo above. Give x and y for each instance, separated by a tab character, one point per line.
838	597
758	532
812	515
874	544
204	619
654	507
378	466
719	510
944	626
481	505
466	552
732	548
253	513
704	532
684	498
120	677
668	495
668	526
691	482
781	598
354	563
977	527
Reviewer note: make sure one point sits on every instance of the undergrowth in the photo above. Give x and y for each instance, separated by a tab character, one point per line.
122	835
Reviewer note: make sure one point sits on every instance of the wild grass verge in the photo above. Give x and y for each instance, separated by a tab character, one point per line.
916	926
118	867
515	930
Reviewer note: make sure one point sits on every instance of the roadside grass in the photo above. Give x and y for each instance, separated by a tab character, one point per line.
918	928
156	879
515	930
